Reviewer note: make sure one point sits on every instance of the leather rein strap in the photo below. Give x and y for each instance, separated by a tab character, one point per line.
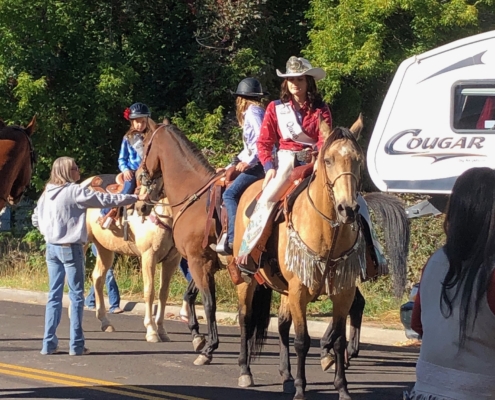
196	196
189	200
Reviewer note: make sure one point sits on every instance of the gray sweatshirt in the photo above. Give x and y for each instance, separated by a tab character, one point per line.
61	211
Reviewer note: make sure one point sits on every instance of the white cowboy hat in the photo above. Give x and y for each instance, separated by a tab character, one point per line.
298	66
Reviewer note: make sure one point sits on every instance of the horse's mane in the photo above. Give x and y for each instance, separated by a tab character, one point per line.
341	133
172	129
10	132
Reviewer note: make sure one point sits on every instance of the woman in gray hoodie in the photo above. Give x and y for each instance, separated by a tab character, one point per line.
61	218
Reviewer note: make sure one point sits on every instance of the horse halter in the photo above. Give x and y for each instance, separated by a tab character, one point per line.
32	157
330	190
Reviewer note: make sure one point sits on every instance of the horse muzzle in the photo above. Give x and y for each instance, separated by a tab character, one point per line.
347	214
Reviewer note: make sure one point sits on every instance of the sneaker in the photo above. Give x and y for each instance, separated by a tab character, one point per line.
56	351
85	352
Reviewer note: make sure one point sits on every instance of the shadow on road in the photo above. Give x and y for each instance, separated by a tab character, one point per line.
191	393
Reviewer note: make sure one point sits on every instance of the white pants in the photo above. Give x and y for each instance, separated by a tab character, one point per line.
267	201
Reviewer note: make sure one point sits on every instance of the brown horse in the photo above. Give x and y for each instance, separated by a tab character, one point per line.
17	160
186	179
319	248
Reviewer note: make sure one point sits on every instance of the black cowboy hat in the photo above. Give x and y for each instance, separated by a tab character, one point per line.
249	87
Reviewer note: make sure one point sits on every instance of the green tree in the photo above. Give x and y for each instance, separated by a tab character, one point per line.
78	64
360	43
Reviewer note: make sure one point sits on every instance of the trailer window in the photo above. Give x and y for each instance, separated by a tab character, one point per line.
474	107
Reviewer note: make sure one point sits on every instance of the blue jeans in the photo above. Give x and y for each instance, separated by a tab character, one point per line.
184	267
128	188
112	289
62	261
233	194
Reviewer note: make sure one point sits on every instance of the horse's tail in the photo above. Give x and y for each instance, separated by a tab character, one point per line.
392	217
260	319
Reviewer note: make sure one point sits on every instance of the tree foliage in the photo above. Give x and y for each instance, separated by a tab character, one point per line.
79	64
360	43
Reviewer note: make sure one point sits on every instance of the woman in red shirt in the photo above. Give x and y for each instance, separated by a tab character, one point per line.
292	125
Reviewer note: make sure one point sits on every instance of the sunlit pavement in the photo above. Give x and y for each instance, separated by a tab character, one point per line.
122	365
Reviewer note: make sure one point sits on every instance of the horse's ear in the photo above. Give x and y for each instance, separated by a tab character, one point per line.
165	121
2	124
357	126
31	127
324	128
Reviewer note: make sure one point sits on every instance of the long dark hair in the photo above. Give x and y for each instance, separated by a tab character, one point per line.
314	97
470	247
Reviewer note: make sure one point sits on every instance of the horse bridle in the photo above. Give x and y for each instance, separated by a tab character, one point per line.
329	185
146	181
335	224
32	155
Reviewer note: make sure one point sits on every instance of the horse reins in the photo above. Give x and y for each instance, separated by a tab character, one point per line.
32	155
189	199
333	223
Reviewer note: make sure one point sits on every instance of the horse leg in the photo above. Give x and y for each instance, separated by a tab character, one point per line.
199	340
104	261
326	344
284	323
341	305
168	268
298	302
356	317
209	302
245	292
148	267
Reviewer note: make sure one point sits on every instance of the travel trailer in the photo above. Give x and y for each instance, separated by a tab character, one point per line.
437	120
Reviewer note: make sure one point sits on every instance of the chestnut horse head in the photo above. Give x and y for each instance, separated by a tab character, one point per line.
17	158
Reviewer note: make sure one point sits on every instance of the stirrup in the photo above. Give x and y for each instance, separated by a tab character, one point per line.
107	223
222	247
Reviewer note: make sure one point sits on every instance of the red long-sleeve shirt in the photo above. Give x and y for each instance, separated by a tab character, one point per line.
270	133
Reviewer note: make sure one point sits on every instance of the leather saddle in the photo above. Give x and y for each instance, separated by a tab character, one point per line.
108	183
113	184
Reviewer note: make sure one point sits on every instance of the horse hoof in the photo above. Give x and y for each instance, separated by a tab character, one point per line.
300	396
153	338
202	360
246	381
199	343
326	362
164	337
288	386
108	328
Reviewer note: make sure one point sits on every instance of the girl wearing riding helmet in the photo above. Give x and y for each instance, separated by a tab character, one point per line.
293	123
131	151
249	112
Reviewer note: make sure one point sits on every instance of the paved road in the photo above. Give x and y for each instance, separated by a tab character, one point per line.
123	366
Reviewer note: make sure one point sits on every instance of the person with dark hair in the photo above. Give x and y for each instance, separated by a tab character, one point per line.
249	113
454	311
292	123
60	216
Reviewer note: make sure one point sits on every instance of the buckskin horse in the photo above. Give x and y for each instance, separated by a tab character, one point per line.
318	248
151	240
17	158
187	177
